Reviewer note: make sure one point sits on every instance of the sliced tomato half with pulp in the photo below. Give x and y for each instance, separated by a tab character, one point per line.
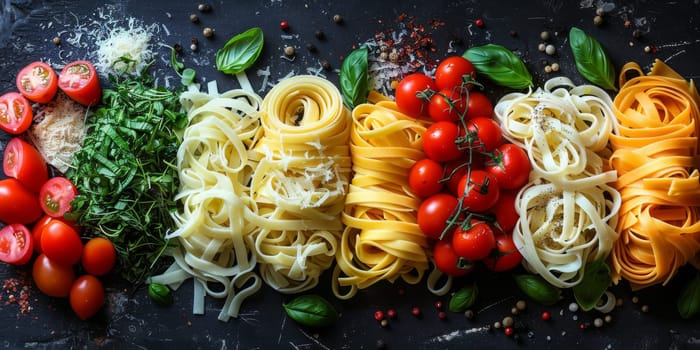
80	82
55	196
23	161
38	82
16	244
15	113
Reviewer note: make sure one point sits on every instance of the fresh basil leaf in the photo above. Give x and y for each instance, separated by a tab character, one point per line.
538	289
240	52
595	281
354	78
463	298
311	310
500	65
592	62
689	300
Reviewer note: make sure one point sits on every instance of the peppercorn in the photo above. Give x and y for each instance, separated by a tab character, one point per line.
555	67
379	315
194	18
479	23
513	33
550	49
394	57
391	313
381	344
384	56
521	305
177	47
415	311
311	47
320	35
204	7
544	35
442	315
208	32
194	45
337	18
284	25
598	20
289	51
508	322
326	65
438	304
548	69
508	331
637	33
57	41
469	314
541	47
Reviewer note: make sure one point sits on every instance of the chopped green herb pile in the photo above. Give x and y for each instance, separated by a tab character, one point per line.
126	175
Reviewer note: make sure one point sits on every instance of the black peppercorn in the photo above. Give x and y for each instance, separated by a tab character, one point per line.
320	35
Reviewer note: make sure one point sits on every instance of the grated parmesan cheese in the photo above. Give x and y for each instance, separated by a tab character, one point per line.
132	41
58	131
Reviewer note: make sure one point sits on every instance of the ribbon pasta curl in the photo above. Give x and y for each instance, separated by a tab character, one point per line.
300	183
382	240
567	211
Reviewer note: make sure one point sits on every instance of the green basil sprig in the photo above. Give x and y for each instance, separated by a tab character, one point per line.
160	293
592	62
538	289
311	310
500	65
464	298
595	281
689	300
240	52
354	78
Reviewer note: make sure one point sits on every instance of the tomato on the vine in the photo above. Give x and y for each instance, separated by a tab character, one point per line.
453	172
479	191
17	203
61	243
453	71
447	261
510	165
447	105
56	195
87	295
99	256
16	244
23	161
80	82
413	94
424	177
504	211
441	141
434	214
475	241
479	105
52	278
506	255
38	82
484	134
15	113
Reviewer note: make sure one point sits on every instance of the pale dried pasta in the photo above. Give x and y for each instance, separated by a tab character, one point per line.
216	208
381	240
300	183
567	211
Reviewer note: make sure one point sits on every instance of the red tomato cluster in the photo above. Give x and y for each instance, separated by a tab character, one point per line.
33	205
470	176
39	83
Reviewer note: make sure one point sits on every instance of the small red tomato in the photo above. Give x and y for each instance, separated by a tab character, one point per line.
15	113
38	82
504	210
434	214
441	141
17	203
484	133
80	82
39	226
16	244
52	278
413	94
23	161
453	71
479	191
99	256
510	165
479	105
448	105
87	295
61	243
506	256
447	261
474	242
424	177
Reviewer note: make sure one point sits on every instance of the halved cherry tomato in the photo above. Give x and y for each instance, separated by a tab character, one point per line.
424	177
87	295
61	243
52	278
506	256
39	226
510	165
16	244
15	113
23	162
80	82
441	141
452	71
17	203
475	241
479	191
447	261
99	256
413	94
434	213
38	82
55	196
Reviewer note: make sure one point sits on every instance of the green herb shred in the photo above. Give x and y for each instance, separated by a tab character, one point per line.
126	175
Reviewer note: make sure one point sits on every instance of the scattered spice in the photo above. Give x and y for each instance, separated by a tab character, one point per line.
15	290
384	323
204	7
284	25
598	20
391	313
379	315
208	32
438	305
546	316
479	23
550	49
194	18
521	305
415	311
326	65
337	18
289	51
508	331
311	47
56	41
442	315
320	35
544	35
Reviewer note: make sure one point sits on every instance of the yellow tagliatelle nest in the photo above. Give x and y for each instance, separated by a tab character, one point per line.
656	156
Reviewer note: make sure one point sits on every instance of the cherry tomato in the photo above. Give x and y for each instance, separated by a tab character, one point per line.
16	244
15	113
23	162
485	134
506	256
99	256
479	191
87	295
37	82
39	226
479	105
80	82
424	177
52	278
61	243
510	165
453	172
475	241
413	94
504	210
440	141
447	105
452	71
447	261
434	213
17	203
55	196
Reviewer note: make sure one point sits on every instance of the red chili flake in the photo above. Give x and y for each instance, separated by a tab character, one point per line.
284	25
546	316
479	23
508	331
379	315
